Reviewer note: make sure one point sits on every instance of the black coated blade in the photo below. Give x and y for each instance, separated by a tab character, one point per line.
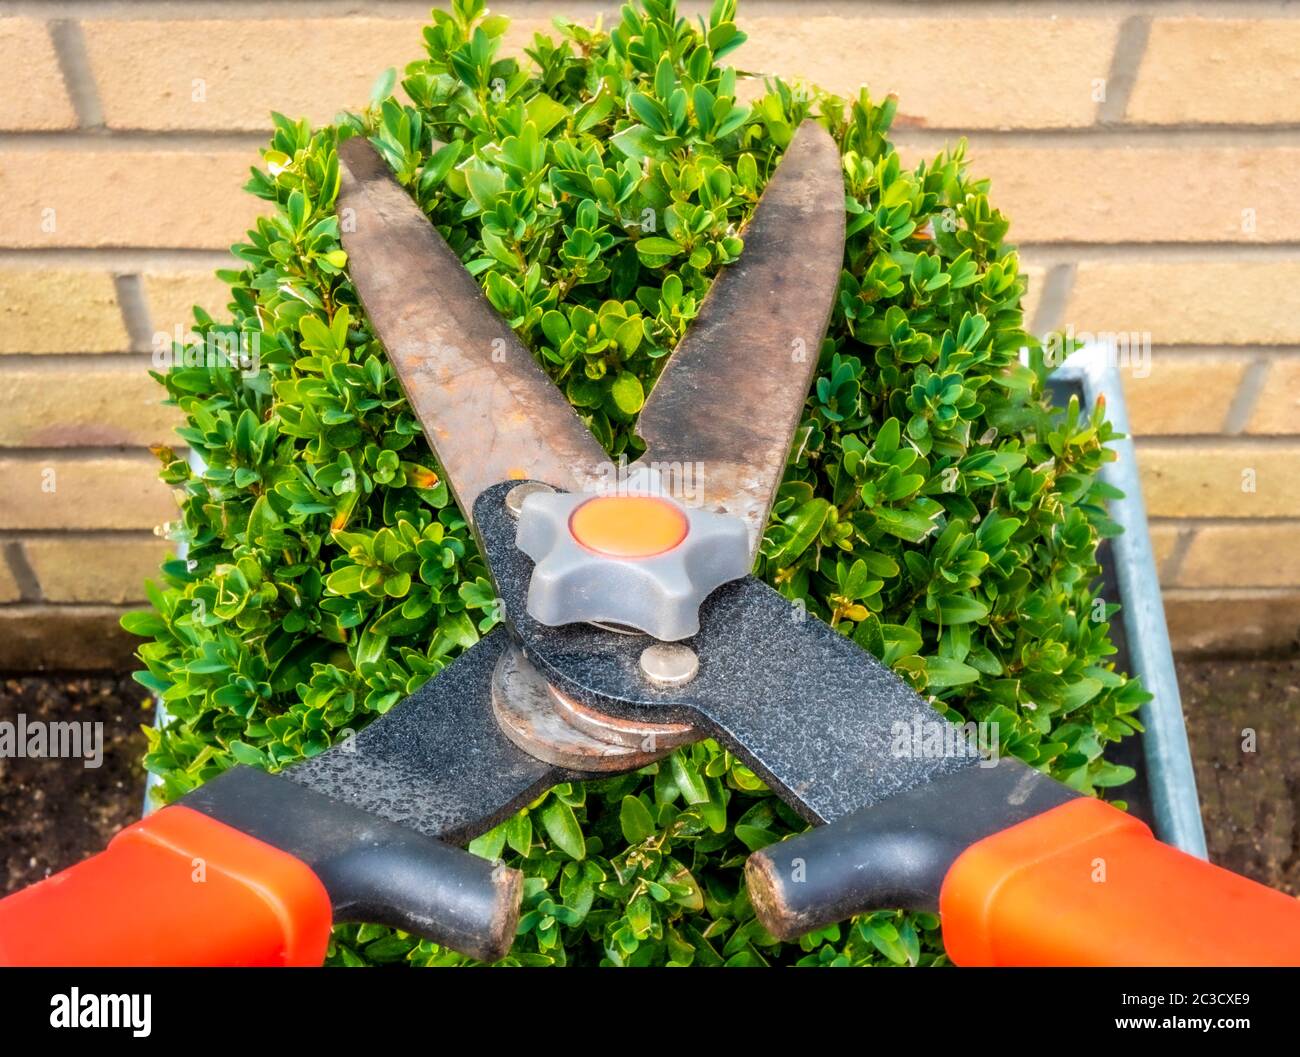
437	763
826	725
487	408
727	404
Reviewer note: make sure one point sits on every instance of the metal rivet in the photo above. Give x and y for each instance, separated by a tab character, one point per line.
516	496
668	664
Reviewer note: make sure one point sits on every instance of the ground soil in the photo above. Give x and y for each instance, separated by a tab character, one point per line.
55	812
1250	794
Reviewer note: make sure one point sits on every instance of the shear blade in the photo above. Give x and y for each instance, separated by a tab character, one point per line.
488	410
725	409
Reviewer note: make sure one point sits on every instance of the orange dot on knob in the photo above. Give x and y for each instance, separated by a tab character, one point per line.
631	526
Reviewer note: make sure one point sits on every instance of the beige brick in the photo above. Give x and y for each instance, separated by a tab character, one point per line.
1036	276
9	589
1278	407
230	74
1203	302
59	310
1218	71
84	403
1140	194
1241	555
173	295
1213	480
31	84
104	569
1220	621
108	492
151	198
1181	395
940	68
1164	537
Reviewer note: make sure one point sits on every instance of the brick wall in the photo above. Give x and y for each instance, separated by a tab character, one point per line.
1148	153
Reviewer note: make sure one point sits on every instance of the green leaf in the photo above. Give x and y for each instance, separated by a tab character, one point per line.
562	827
248	755
627	393
489	845
944	672
689	782
961	609
801	528
143	623
653	246
383	86
1113	774
635	820
346	581
545	113
905	524
519	832
755	838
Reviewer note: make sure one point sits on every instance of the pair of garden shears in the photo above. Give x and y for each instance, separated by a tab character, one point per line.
631	627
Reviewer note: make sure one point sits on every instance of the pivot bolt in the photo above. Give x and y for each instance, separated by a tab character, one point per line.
516	496
668	664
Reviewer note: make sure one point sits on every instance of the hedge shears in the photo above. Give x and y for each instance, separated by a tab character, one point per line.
631	626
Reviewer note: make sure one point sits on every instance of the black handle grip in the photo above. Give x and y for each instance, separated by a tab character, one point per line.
374	870
893	854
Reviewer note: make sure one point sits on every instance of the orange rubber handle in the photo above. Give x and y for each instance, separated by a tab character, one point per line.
178	888
1086	884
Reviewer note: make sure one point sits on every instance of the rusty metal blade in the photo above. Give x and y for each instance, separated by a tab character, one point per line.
487	408
724	411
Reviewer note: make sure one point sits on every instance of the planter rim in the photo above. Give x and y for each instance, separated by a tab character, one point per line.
1170	776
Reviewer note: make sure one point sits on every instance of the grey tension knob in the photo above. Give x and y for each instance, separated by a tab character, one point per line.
643	561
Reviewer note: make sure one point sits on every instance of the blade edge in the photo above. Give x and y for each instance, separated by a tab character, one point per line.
487	408
725	408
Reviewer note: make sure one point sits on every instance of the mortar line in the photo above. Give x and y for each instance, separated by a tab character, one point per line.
57	362
1130	49
112	140
1191	593
135	311
1041	254
1088	137
1247	396
120	258
75	535
1221	521
1045	254
1251	353
29	587
1183	354
44	605
1114	135
265	9
1057	285
1172	567
1238	442
81	452
74	63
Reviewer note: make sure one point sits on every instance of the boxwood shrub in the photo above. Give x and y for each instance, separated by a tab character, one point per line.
936	507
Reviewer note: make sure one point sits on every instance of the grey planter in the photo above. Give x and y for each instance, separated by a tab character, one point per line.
1175	806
